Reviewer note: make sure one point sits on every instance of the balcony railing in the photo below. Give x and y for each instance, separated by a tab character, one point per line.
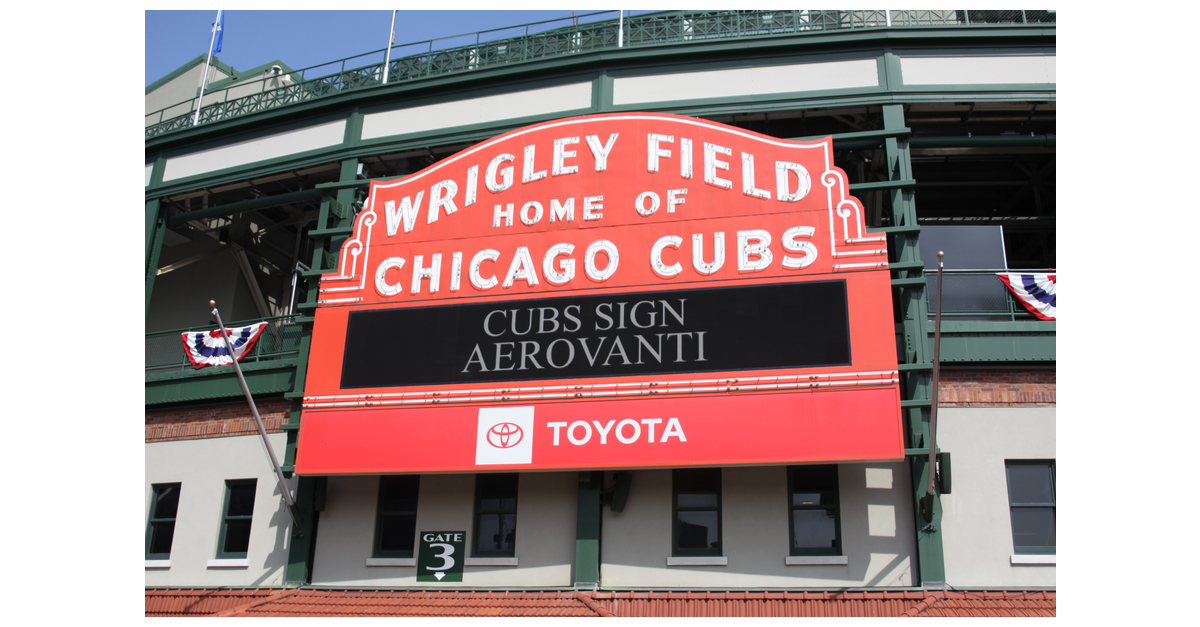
525	43
280	340
975	295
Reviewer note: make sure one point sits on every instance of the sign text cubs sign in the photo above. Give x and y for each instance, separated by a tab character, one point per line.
606	291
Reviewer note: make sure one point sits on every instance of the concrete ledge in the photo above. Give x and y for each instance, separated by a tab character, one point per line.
391	561
239	563
158	563
490	561
714	560
816	560
1018	560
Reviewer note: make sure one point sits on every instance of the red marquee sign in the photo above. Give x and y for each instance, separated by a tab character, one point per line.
625	290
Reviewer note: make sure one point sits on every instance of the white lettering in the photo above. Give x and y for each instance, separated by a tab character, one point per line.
408	211
698	253
478	281
521	268
433	273
587	430
653	151
603	431
649	422
557	168
556	426
748	187
381	284
675	197
589	260
601	152
656	262
674	429
568	265
792	245
527	173
506	174
437	199
759	250
640	205
525	219
590	206
782	187
562	213
712	164
637	431
455	271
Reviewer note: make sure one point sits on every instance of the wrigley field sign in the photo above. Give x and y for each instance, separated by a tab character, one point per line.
626	290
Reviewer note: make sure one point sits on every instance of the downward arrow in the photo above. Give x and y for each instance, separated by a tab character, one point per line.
439	575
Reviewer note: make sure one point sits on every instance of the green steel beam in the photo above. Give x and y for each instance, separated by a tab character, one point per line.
997	141
303	545
234	208
915	363
155	231
870	187
587	530
268	377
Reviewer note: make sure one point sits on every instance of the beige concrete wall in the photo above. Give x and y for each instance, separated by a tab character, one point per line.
977	529
202	467
545	543
755	81
981	70
253	150
876	521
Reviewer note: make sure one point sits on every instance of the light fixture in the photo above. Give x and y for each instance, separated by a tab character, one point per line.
223	237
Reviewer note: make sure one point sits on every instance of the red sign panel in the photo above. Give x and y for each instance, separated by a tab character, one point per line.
595	273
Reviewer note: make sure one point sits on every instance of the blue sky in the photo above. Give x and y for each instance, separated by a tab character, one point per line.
307	38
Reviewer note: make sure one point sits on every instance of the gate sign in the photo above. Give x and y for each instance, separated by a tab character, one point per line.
440	556
624	290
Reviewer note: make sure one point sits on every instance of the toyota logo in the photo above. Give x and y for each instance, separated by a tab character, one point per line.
504	435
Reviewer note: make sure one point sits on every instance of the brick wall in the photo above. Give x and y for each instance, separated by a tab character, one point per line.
214	422
984	388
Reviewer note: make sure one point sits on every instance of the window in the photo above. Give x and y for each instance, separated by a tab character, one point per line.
697	511
814	523
235	523
496	515
396	520
1031	503
161	528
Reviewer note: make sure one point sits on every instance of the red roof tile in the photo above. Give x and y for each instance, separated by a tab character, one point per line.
201	601
326	602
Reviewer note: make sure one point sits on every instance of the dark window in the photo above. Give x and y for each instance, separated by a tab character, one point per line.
161	528
396	520
235	523
814	524
496	515
697	511
1031	502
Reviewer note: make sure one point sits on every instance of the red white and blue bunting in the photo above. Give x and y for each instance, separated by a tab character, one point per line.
207	348
1035	291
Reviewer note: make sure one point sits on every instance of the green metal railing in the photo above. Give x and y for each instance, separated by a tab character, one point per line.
978	294
525	43
280	340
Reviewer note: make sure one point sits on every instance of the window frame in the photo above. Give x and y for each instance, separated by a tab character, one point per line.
155	518
676	550
480	511
377	548
837	549
226	518
1052	504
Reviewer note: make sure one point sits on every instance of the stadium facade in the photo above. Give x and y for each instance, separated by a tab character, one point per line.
942	125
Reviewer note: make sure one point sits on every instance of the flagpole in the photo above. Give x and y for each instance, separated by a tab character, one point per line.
262	430
387	58
204	79
933	405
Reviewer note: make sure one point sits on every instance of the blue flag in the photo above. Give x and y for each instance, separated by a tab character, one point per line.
219	30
